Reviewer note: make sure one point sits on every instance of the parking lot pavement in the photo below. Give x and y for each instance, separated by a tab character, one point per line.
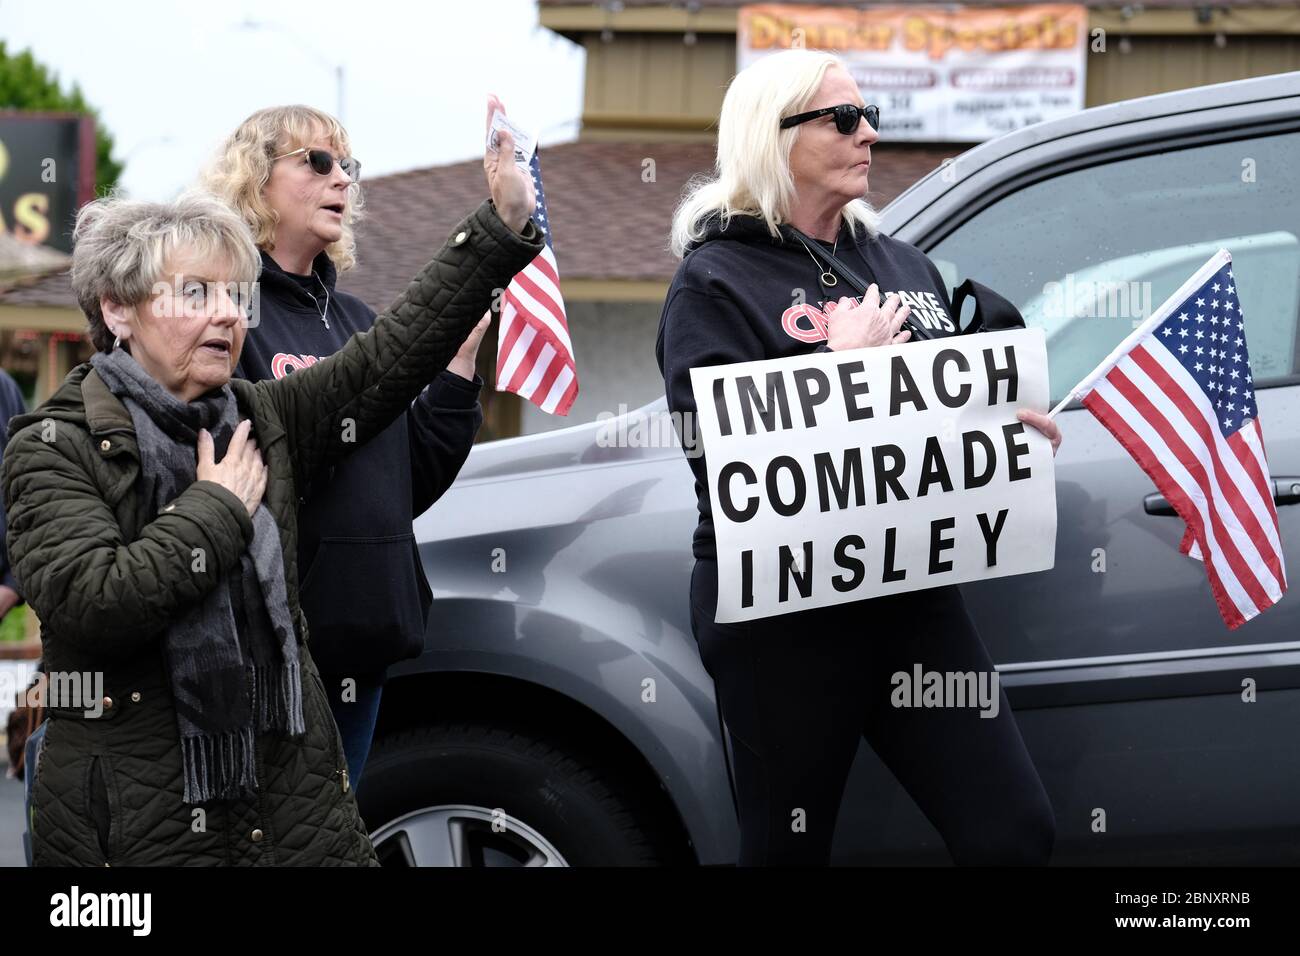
11	820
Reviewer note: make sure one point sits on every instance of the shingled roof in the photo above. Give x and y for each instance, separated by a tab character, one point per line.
48	291
608	224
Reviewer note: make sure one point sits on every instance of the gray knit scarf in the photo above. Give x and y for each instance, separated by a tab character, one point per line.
234	654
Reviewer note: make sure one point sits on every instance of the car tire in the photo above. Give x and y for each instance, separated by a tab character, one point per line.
474	794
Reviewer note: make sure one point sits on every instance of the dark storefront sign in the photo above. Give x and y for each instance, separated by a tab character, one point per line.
47	170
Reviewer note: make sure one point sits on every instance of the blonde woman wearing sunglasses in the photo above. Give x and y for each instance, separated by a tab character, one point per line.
786	215
289	172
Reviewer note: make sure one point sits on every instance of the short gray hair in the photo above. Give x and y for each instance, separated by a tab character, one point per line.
122	246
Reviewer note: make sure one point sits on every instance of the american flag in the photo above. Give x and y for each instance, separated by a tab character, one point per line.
1179	396
534	353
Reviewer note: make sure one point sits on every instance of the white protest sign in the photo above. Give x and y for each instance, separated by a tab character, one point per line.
847	475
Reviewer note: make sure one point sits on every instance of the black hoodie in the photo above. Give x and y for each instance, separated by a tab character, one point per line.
742	294
362	585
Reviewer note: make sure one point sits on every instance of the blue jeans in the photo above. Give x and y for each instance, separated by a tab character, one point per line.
31	751
355	718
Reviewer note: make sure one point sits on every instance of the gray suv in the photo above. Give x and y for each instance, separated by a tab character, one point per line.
560	714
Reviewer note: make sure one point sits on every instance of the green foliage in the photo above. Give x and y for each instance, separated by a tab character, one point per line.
26	84
13	626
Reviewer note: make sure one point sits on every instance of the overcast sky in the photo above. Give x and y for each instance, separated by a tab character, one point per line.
172	79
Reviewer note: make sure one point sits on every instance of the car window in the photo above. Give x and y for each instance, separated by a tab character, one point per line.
1088	254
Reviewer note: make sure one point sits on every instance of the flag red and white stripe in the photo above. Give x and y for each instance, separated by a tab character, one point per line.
1178	394
534	352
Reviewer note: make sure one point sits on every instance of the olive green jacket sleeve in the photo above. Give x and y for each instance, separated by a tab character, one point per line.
97	591
338	404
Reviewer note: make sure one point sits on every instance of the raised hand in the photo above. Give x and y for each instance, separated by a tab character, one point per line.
512	189
464	362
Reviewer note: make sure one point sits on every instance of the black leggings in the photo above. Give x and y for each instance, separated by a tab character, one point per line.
798	690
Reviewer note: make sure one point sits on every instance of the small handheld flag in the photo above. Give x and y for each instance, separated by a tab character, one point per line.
534	353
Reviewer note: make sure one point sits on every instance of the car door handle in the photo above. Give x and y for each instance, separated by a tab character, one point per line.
1155	504
1286	491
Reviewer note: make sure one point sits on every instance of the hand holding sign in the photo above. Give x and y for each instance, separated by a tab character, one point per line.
851	325
1045	424
835	477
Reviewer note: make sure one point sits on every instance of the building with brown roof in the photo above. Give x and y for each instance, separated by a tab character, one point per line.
610	230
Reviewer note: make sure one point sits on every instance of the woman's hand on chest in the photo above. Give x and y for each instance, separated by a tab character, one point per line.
854	325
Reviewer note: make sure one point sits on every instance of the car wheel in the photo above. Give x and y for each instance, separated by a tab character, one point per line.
474	794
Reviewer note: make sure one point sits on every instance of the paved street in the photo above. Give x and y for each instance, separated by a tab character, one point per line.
11	819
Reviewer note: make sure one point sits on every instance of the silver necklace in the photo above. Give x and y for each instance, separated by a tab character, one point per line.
828	277
327	299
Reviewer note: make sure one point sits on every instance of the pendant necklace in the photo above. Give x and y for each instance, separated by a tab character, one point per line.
827	277
327	299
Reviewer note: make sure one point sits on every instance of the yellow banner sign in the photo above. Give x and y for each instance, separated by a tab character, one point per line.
940	73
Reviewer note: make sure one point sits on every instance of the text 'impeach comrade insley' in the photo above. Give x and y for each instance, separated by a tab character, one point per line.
836	477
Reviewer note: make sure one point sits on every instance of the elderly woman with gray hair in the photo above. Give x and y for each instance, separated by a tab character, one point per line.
152	524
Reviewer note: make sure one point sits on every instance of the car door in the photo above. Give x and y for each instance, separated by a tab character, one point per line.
1087	254
1134	698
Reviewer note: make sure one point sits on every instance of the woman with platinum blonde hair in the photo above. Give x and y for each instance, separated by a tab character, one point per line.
754	175
290	172
153	526
771	247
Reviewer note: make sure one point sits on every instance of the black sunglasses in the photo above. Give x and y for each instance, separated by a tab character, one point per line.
322	162
847	117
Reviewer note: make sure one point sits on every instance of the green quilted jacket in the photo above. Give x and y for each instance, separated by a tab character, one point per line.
106	576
